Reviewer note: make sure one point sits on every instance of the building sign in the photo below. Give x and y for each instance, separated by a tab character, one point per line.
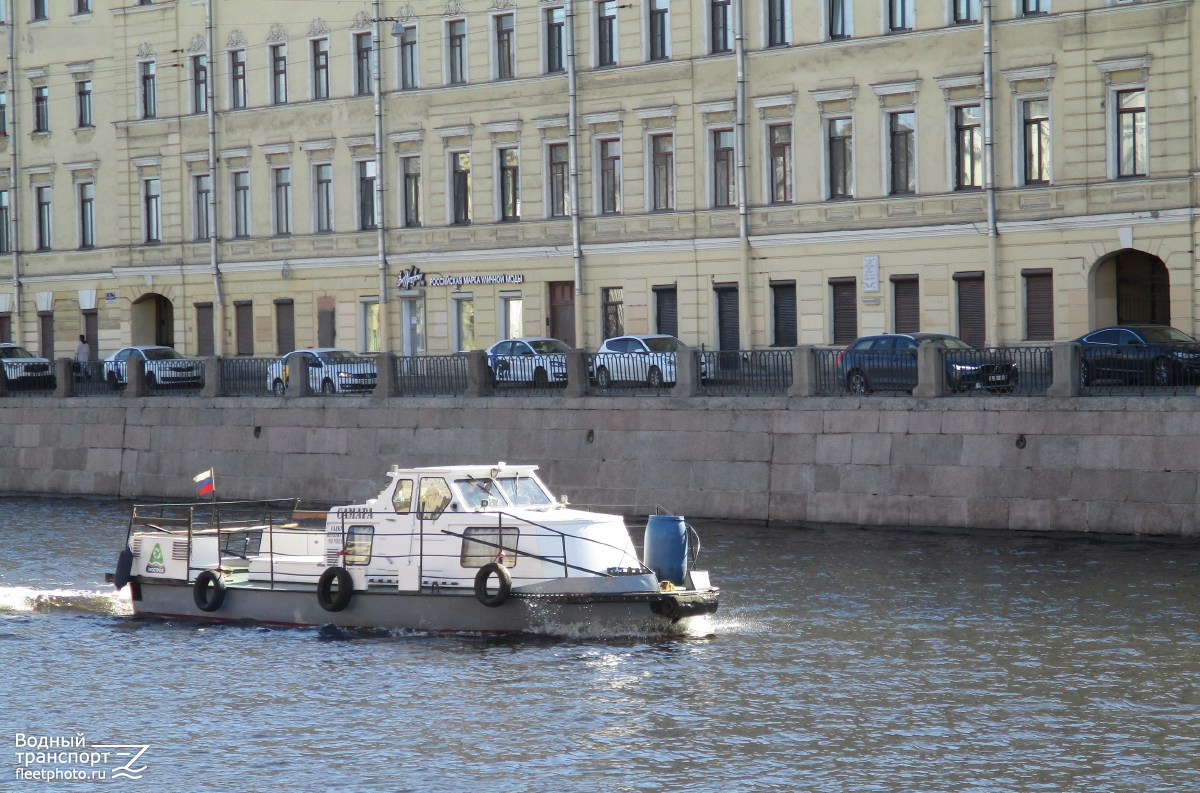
871	273
468	280
410	278
110	297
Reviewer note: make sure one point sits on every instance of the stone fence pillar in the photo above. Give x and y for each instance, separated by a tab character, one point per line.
804	372
479	379
135	377
3	382
578	381
687	373
64	378
298	382
1065	365
931	372
214	378
385	376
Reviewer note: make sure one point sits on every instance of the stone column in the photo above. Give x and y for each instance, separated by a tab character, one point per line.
135	377
804	372
64	378
214	378
385	376
687	373
479	380
931	372
297	380
1065	366
579	383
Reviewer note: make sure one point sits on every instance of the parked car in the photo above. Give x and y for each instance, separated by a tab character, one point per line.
24	370
1139	355
888	362
330	371
648	360
165	367
537	361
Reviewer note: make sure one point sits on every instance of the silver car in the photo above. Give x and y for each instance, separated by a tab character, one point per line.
330	371
165	368
24	370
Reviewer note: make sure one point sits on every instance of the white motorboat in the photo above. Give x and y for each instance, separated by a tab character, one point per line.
475	548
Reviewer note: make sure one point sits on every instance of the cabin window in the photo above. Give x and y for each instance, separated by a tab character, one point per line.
358	544
479	546
435	497
480	492
524	491
402	497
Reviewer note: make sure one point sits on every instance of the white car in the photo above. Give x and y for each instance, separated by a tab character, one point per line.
538	361
165	367
24	370
330	371
644	360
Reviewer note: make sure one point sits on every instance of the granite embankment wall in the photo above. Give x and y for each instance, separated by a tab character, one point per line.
1108	464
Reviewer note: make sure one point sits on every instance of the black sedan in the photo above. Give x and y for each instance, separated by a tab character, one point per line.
1145	355
888	362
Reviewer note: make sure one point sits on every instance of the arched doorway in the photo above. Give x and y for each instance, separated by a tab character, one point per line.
1130	286
152	320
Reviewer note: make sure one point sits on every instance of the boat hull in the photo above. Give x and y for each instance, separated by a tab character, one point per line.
453	611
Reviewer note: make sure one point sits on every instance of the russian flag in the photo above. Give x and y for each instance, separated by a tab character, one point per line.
204	482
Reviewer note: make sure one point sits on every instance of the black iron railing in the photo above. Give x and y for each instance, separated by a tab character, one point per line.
253	376
745	372
866	372
431	375
1139	369
631	373
528	375
996	371
90	378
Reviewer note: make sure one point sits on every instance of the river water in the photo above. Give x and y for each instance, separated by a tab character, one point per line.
841	660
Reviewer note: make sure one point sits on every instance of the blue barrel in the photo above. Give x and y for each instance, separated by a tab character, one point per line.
665	549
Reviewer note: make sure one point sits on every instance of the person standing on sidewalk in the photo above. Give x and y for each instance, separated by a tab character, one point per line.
83	354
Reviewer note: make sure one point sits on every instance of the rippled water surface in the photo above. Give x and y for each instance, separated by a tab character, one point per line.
841	660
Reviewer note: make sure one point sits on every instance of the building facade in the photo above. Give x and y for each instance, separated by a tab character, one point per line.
816	172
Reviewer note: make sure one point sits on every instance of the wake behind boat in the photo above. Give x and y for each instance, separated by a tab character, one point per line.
484	548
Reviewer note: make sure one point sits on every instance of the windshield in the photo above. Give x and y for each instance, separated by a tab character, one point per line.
14	352
476	491
667	344
543	346
1163	334
524	491
341	356
949	342
160	355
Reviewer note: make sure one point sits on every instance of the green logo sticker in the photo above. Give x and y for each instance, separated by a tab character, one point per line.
156	554
156	564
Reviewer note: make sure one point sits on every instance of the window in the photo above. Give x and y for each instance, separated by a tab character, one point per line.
479	546
326	322
83	6
149	79
666	310
968	148
560	186
612	306
5	224
610	177
411	167
408	57
510	185
243	314
83	103
606	33
203	211
512	323
728	322
237	74
199	84
283	200
41	108
506	51
1131	133
1039	305
44	196
844	293
464	323
364	74
358	544
1036	141
320	56
3	113
457	53
724	182
783	314
966	11
781	164
663	147
902	150
839	19
1035	7
279	95
777	23
370	324
285	326
152	189
460	178
366	195
660	30
900	15
241	204
323	197
841	158
718	21
435	498
87	214
46	334
554	40
39	10
971	319
906	303
402	497
6	328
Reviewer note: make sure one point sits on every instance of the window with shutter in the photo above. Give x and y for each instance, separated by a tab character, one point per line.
666	310
972	327
728	331
46	334
845	310
906	294
784	299
285	326
244	310
1039	305
204	330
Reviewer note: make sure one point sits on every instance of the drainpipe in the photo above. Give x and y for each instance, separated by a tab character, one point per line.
213	262
14	202
991	277
573	156
380	232
745	330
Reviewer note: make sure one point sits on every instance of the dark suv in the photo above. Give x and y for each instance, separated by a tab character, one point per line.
888	362
1155	355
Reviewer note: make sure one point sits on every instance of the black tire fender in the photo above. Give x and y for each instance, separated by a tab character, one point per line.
504	581
345	589
204	600
124	568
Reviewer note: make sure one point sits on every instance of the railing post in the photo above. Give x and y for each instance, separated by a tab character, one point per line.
1065	363
578	381
687	373
298	384
479	381
64	380
804	372
931	372
135	377
214	378
385	376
